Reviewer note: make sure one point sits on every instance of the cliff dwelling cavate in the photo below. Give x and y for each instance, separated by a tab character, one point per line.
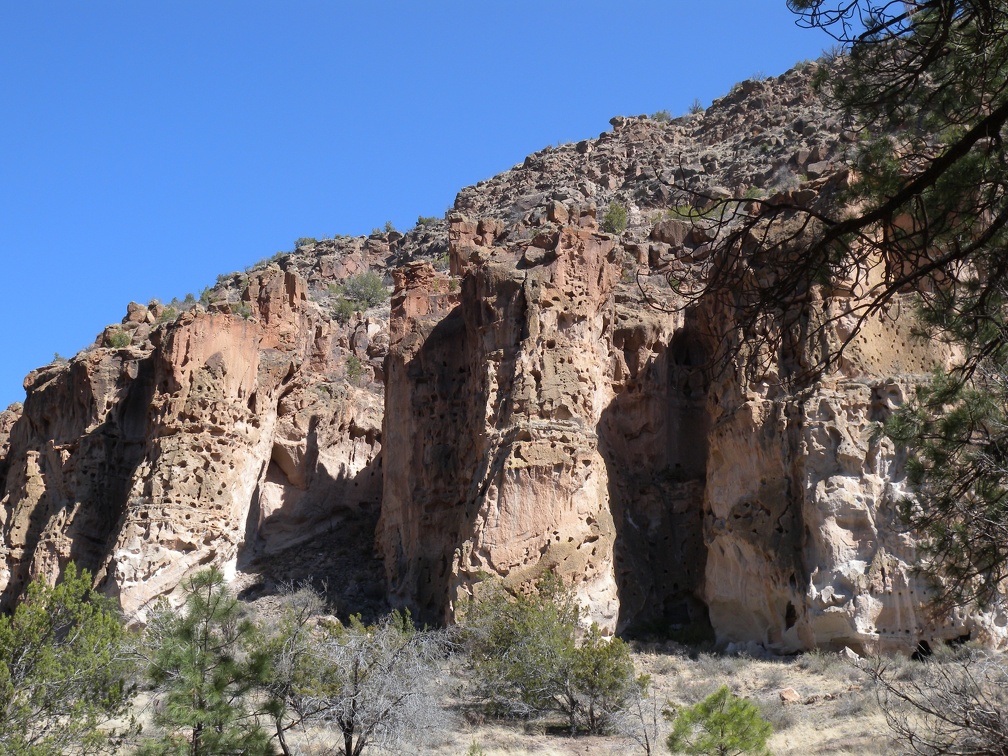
653	437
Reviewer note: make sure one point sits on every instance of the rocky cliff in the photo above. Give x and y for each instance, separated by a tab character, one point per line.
209	439
536	398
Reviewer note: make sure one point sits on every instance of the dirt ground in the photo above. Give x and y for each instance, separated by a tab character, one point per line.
835	712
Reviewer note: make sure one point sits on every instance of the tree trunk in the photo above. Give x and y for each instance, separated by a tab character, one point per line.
281	739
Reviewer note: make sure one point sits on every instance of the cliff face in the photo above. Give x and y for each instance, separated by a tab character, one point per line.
538	424
523	407
698	495
209	441
535	421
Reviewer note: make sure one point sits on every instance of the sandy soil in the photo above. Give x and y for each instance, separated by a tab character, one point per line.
835	713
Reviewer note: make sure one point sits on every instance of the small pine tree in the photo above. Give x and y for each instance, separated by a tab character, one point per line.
63	671
205	669
721	724
615	219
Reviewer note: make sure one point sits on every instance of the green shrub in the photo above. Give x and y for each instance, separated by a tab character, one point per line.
343	310
662	116
721	724
389	227
603	677
242	310
304	241
357	293
427	220
363	290
615	219
168	315
526	660
354	369
119	339
64	671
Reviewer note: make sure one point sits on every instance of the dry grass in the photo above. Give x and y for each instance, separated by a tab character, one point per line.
837	714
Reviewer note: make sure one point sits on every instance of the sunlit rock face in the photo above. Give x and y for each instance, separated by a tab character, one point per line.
543	418
198	443
805	545
540	419
537	398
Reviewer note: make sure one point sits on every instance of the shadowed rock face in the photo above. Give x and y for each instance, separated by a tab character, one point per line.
537	422
524	410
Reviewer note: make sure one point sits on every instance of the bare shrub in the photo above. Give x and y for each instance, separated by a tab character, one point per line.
641	720
780	715
958	706
374	685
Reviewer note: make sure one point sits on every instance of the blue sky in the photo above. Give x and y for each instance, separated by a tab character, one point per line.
146	147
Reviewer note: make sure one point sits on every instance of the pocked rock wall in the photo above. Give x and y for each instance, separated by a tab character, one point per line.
539	412
528	427
541	419
208	440
805	545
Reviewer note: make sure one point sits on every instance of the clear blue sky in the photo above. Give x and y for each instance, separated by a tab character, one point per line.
147	146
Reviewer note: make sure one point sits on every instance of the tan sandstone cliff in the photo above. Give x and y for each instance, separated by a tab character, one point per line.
536	421
522	407
217	437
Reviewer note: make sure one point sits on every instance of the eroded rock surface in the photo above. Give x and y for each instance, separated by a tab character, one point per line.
504	391
536	398
764	508
210	440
